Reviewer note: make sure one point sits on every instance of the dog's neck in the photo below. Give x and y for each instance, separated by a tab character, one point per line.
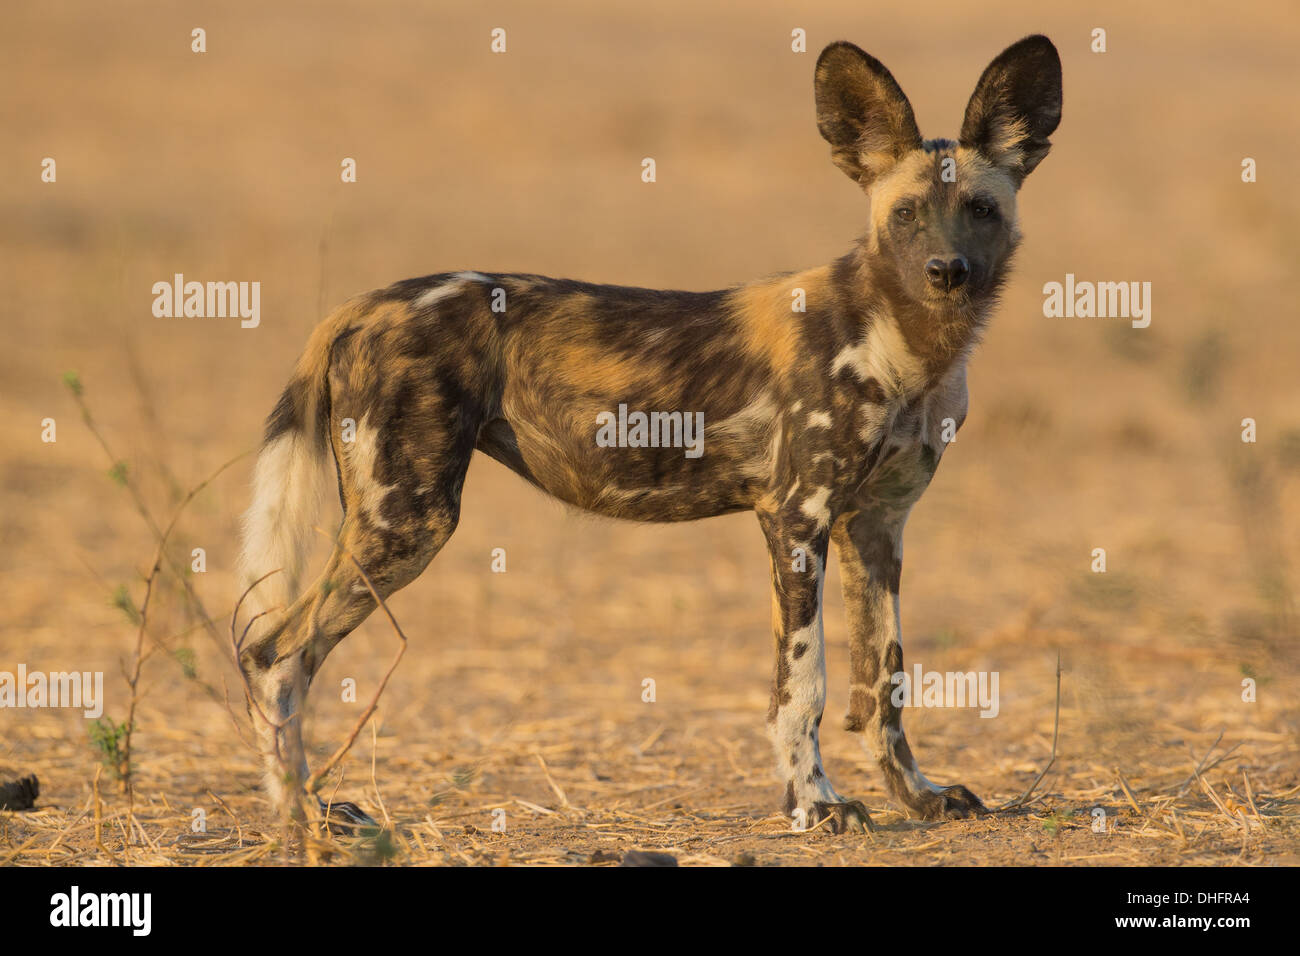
867	288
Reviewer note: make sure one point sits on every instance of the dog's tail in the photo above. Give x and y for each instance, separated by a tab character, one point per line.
289	481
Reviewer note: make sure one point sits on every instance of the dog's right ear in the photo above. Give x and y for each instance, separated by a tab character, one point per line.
862	113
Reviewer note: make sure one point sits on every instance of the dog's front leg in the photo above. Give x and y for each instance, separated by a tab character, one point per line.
870	550
797	547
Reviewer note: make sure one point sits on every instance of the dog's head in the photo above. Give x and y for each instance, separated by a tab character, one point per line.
943	213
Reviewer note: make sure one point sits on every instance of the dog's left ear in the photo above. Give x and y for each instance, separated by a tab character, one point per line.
1016	106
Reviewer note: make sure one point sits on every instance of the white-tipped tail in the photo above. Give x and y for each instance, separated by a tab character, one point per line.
288	484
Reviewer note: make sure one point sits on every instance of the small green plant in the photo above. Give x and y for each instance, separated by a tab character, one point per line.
462	777
1248	670
108	738
121	599
188	661
1056	821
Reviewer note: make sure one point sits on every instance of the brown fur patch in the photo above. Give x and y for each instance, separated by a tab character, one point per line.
769	327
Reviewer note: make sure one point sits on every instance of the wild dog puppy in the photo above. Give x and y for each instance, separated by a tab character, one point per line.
828	423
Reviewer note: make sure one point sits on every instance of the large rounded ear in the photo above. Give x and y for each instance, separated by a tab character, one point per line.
1016	106
862	113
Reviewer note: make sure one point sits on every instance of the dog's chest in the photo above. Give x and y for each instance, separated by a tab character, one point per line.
902	454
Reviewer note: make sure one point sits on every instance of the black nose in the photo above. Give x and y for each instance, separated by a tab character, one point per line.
947	274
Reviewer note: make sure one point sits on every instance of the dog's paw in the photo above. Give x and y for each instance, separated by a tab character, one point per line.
345	818
949	803
848	816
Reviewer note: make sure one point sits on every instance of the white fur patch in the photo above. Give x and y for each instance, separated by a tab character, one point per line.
872	418
815	507
793	489
444	291
361	454
753	424
819	419
794	731
883	355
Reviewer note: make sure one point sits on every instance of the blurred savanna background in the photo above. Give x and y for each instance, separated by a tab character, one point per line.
523	690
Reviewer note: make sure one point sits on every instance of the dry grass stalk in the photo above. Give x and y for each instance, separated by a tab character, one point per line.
1023	799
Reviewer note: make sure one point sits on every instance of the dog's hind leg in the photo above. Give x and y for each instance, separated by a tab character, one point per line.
399	512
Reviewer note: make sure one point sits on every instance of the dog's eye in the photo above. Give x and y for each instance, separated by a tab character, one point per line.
905	214
981	210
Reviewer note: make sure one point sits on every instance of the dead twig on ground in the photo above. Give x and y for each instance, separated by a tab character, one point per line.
1056	732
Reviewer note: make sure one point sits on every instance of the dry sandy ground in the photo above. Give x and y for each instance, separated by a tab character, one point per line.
522	690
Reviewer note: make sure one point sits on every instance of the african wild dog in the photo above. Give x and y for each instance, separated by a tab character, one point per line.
828	423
